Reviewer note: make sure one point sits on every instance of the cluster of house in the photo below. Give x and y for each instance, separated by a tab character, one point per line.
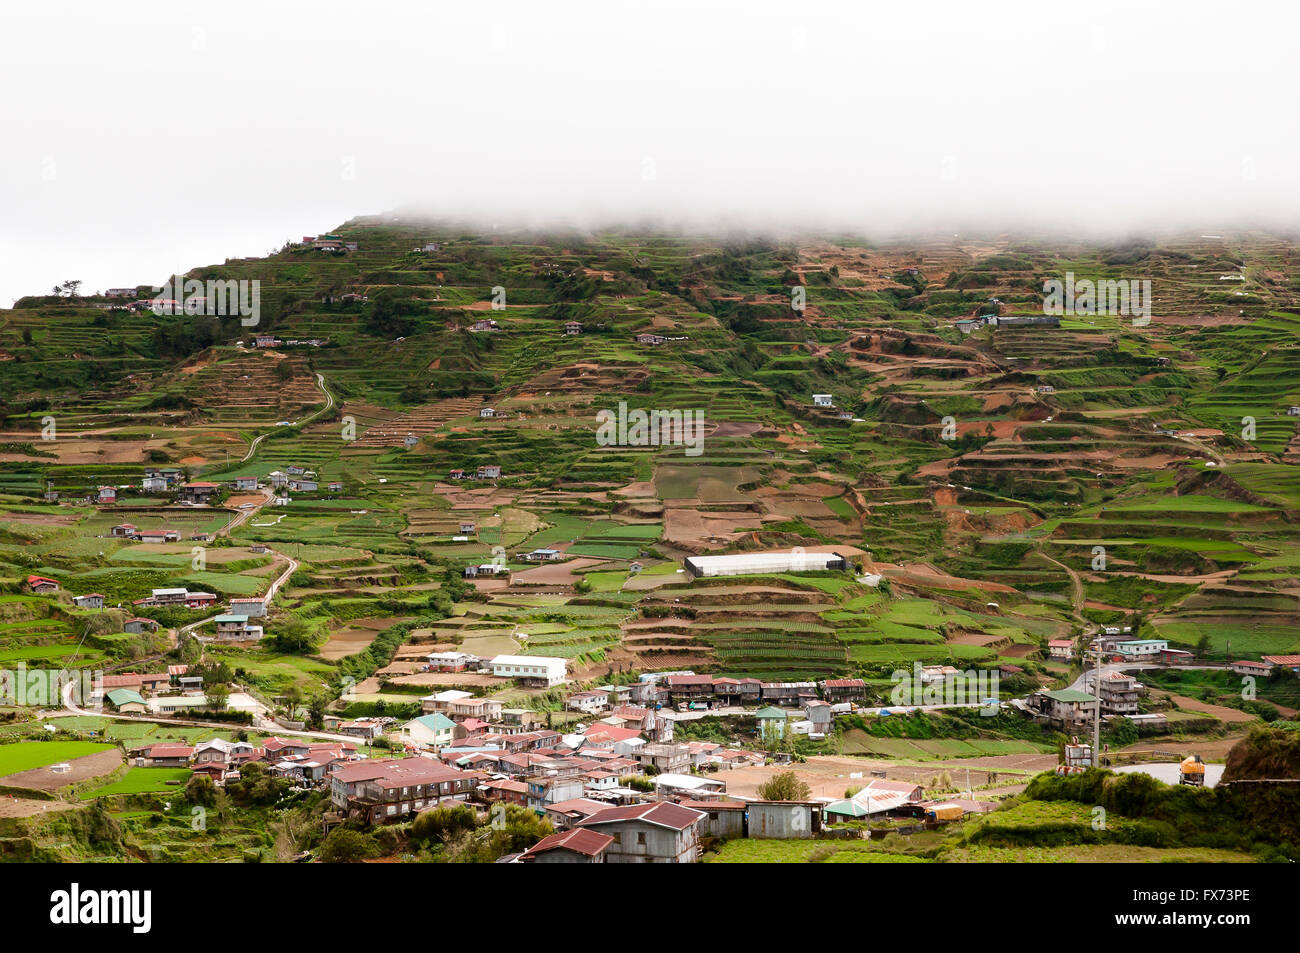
349	297
470	749
299	479
134	693
329	243
647	337
703	691
491	471
136	535
1112	642
178	597
303	761
967	325
1266	667
539	671
827	402
172	480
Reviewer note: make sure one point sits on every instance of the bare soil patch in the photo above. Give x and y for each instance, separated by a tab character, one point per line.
44	779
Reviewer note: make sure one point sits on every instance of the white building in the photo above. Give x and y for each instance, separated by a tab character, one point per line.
531	668
748	564
823	400
1141	648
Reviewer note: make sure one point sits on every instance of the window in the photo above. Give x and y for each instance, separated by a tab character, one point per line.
640	838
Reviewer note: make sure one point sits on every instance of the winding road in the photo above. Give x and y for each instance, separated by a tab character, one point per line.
301	422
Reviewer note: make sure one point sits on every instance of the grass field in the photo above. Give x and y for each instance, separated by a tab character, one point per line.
753	851
144	781
28	755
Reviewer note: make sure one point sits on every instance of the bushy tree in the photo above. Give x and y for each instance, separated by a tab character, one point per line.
785	786
344	846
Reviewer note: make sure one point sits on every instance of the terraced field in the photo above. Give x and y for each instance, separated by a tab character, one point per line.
975	477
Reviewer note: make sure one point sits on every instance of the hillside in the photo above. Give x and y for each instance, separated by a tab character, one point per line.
977	473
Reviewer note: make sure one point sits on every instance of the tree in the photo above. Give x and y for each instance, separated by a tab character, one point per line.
344	846
218	696
785	786
201	790
295	636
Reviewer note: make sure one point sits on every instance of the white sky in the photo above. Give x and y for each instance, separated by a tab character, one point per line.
139	138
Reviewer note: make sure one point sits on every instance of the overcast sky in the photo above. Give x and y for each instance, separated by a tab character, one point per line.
142	138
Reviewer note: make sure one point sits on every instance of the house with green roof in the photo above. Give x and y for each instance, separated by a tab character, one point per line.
1064	708
234	627
127	701
431	731
771	723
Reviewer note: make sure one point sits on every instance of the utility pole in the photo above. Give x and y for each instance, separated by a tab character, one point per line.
1096	719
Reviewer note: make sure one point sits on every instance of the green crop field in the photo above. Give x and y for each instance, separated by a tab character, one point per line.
24	757
144	781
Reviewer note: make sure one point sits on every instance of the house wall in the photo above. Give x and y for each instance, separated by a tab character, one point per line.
565	857
636	842
781	821
723	824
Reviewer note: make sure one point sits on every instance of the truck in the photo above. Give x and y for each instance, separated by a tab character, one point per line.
1192	771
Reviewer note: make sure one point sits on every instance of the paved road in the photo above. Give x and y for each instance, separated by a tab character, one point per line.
291	568
1168	773
329	404
71	708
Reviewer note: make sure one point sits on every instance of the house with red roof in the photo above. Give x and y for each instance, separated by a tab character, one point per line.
843	689
577	846
391	790
1062	649
166	755
198	492
42	584
656	833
